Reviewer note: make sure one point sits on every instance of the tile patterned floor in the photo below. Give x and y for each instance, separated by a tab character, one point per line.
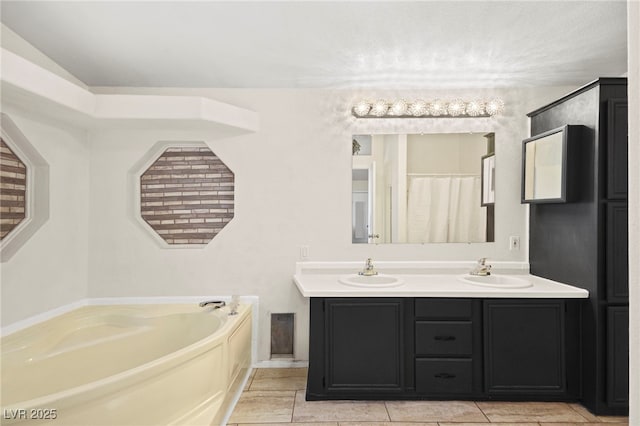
275	397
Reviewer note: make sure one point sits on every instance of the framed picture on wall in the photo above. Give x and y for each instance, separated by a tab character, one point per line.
488	179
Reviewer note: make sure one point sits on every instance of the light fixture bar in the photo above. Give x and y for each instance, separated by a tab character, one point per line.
437	108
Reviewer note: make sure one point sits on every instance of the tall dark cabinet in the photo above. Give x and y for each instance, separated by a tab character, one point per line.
585	242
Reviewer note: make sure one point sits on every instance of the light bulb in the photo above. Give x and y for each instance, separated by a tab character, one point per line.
437	108
380	108
495	106
418	108
399	107
362	108
456	107
475	108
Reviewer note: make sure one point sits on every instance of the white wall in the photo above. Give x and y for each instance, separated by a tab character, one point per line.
51	268
292	188
633	25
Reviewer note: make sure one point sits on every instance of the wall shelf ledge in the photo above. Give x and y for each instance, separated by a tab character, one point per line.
26	84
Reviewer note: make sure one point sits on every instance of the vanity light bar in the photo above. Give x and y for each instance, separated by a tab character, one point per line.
437	108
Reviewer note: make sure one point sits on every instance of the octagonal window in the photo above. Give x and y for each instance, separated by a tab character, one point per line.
13	190
24	189
187	195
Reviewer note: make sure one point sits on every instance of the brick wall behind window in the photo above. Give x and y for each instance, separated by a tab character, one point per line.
187	195
13	190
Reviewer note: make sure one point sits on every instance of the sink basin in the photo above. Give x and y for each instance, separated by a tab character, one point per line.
498	281
379	280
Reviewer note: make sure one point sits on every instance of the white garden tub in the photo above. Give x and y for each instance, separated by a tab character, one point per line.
126	365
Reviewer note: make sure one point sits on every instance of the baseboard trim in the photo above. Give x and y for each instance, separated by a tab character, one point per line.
281	363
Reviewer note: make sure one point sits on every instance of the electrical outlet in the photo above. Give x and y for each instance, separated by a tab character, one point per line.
514	243
304	252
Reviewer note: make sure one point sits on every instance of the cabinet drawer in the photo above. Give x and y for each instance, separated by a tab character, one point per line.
443	308
444	376
443	338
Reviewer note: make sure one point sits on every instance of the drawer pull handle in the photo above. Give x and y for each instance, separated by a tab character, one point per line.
444	376
445	338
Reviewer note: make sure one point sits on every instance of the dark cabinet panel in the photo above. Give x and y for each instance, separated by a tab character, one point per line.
618	356
438	376
443	308
364	344
524	347
617	148
617	252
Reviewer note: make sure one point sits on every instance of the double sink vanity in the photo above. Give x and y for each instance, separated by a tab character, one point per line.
432	330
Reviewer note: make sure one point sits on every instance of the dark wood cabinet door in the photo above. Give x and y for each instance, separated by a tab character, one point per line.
617	252
364	341
524	347
617	148
618	356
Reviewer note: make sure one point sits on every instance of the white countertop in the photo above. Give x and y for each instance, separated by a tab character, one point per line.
426	279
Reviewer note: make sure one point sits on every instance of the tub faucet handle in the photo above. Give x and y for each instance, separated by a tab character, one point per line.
217	304
233	305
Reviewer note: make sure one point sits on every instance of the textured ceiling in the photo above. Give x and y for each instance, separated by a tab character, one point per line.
327	44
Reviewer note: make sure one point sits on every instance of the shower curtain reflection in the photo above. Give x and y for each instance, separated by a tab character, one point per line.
445	208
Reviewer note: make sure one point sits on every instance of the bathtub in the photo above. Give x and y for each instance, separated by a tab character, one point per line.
126	365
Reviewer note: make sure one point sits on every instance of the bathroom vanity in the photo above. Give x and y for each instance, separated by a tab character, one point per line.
438	335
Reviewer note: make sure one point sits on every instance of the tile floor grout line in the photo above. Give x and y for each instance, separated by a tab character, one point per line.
387	410
293	408
482	411
580	414
251	377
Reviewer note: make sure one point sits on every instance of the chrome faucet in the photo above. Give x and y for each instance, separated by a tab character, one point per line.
482	268
217	304
368	269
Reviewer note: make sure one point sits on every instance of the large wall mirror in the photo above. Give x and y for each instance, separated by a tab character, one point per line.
421	188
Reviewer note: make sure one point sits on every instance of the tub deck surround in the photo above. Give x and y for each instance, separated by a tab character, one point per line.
426	279
127	365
